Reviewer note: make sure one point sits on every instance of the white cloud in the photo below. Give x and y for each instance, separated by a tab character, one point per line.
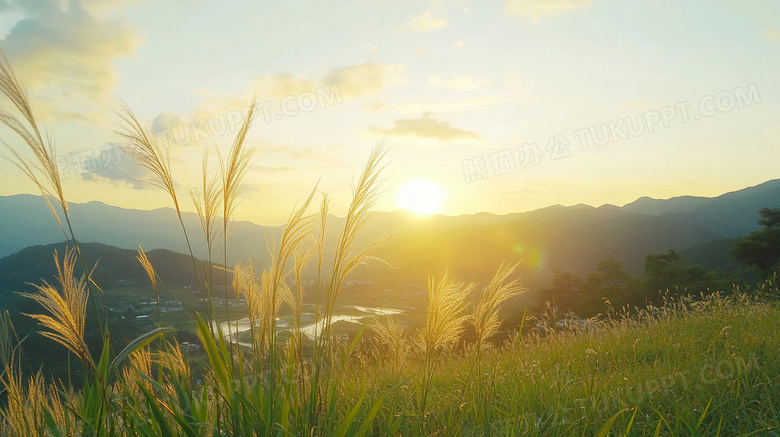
365	79
63	51
538	9
425	23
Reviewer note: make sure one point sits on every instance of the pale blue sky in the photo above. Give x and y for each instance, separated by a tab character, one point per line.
448	80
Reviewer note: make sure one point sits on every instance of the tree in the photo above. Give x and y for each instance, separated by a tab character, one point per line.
612	282
761	249
565	291
667	271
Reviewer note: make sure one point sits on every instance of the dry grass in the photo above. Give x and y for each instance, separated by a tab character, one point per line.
444	318
365	195
42	170
486	318
233	170
23	415
142	146
68	308
444	324
45	173
147	265
393	340
232	173
206	203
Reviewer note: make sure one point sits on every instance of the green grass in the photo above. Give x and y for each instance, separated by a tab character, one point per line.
706	366
710	371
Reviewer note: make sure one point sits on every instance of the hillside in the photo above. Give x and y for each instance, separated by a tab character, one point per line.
116	268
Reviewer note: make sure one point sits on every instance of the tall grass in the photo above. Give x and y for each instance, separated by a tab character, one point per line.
444	323
206	203
42	169
570	381
68	309
232	173
143	147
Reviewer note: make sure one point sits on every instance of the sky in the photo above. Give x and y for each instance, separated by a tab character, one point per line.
497	106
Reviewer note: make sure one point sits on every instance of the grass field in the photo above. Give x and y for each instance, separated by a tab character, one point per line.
706	366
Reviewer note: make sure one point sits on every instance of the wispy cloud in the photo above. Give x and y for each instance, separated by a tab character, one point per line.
352	82
425	23
365	79
772	34
427	127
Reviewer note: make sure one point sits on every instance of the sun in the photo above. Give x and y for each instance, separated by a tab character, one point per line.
421	196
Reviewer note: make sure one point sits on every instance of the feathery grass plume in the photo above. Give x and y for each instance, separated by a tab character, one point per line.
45	173
444	318
297	230
299	264
144	149
147	265
320	247
232	172
137	371
394	338
444	323
68	309
23	413
486	323
365	194
171	358
170	366
491	299
206	204
245	284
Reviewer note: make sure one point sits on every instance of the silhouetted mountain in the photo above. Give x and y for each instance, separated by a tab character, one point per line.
572	238
676	205
115	267
25	220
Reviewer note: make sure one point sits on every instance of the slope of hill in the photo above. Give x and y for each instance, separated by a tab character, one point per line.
115	267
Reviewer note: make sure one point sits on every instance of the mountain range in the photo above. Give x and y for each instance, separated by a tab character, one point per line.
569	238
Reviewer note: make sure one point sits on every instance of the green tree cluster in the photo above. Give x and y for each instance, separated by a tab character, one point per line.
761	249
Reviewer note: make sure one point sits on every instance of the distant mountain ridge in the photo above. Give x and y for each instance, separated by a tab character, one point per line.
572	238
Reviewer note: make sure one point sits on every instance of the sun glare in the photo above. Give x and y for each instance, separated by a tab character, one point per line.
421	196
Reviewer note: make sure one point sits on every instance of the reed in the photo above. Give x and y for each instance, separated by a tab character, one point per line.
43	170
68	308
